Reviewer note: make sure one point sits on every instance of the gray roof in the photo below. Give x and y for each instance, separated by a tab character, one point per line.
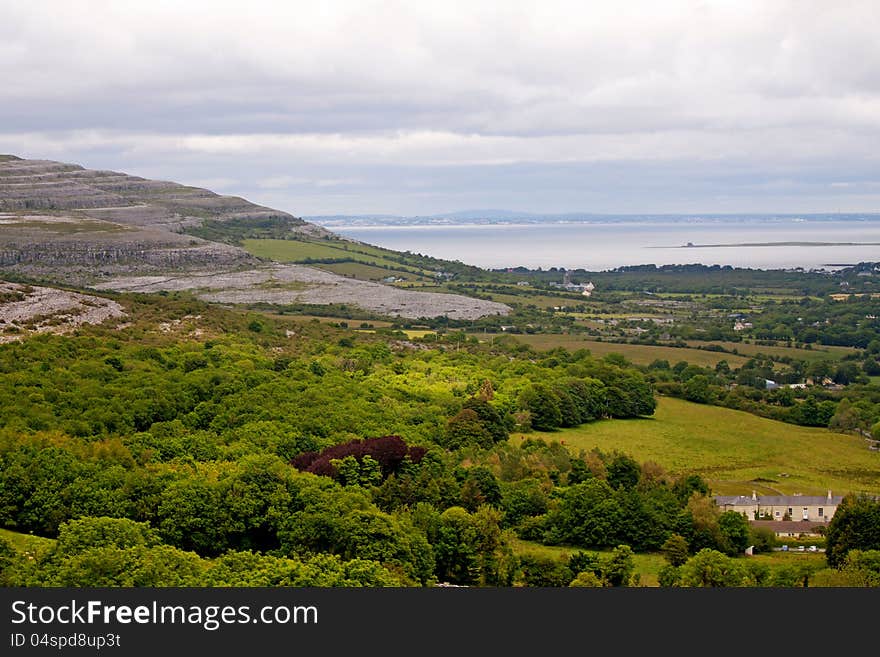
778	500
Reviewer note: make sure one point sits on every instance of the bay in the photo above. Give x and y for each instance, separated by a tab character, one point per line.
597	245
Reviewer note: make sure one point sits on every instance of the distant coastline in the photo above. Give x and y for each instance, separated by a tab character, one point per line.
767	242
690	245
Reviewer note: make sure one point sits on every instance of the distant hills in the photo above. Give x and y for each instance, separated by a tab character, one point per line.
509	216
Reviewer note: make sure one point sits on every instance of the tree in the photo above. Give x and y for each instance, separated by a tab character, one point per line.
489	418
456	547
710	568
480	488
704	515
192	517
586	580
846	418
675	550
376	536
619	568
854	526
846	373
623	472
465	428
734	528
763	539
539	571
543	407
586	515
85	533
697	389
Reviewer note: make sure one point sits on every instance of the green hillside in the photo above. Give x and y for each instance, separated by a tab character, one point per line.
735	451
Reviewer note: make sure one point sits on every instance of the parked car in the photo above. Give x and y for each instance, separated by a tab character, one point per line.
801	548
813	548
785	548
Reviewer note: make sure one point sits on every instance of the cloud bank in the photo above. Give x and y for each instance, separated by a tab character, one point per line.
420	108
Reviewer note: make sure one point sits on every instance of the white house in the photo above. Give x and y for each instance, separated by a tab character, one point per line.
802	508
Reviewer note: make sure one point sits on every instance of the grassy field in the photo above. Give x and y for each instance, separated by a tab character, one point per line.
26	542
818	352
543	301
637	353
303	251
365	272
648	565
736	452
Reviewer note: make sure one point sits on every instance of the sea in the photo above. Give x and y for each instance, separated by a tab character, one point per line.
600	243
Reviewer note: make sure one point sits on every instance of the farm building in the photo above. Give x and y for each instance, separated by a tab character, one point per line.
798	508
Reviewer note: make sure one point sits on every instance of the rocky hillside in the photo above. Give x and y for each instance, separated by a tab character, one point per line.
108	230
44	185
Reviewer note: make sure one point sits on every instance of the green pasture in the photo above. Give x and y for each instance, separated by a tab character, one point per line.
303	251
542	301
639	354
648	565
365	272
818	352
27	543
735	451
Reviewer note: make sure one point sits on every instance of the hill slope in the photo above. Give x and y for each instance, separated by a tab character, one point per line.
109	230
735	451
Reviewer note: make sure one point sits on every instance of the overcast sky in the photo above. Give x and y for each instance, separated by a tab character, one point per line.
428	107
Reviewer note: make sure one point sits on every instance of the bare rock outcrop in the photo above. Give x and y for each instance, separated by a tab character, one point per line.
26	309
289	284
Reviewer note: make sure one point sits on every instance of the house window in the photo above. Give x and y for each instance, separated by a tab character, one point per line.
790	510
821	514
806	514
777	514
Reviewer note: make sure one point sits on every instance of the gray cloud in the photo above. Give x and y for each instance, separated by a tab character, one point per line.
406	107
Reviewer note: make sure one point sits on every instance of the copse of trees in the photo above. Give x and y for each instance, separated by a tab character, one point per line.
113	552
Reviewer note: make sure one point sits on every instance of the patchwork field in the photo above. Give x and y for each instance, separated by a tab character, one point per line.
736	452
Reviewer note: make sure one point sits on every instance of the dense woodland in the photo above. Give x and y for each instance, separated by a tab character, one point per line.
202	446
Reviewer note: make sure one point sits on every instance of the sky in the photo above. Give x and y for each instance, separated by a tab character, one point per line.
418	108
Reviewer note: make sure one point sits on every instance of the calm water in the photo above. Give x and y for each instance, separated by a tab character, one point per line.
598	246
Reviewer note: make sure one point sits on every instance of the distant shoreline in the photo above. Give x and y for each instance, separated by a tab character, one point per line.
751	244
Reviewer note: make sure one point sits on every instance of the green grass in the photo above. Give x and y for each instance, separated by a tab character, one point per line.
357	270
818	352
303	251
27	543
636	353
543	301
648	565
731	449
